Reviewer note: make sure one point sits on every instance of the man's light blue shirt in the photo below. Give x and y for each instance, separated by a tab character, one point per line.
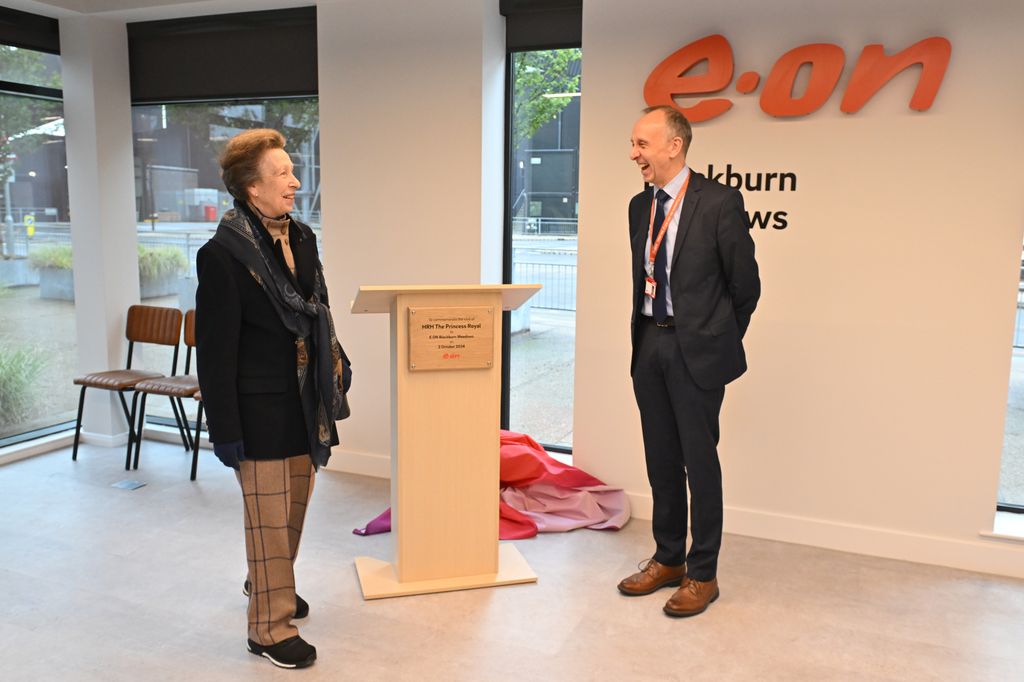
668	244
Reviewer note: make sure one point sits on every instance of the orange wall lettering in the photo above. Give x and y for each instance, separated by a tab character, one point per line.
669	78
874	70
826	61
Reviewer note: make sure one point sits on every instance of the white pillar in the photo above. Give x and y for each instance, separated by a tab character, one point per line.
101	189
492	147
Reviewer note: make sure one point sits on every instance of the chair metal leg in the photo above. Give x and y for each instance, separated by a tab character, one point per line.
127	415
188	426
131	432
178	419
78	424
185	423
195	441
142	421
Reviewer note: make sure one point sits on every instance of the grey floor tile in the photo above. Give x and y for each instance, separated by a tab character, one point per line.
100	583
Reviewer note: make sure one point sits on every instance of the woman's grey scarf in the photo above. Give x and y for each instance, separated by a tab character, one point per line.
309	320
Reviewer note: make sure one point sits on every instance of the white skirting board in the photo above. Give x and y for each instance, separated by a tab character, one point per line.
988	553
360	463
104	440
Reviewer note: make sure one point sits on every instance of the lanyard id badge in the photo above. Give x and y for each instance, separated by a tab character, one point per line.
650	285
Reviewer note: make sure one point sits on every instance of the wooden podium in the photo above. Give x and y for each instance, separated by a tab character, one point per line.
445	421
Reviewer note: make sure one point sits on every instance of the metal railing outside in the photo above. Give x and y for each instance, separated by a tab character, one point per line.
559	279
43	233
40	214
544	226
187	237
559	283
1018	330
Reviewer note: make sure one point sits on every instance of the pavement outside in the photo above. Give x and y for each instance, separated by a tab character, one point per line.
1011	474
541	377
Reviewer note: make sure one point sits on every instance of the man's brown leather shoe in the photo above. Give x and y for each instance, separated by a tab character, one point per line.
692	598
652	577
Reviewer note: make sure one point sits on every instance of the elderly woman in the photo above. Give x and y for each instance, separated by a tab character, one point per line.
272	373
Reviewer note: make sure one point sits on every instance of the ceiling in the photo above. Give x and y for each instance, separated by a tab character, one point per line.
146	10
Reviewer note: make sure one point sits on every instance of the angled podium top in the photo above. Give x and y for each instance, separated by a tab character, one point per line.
377	299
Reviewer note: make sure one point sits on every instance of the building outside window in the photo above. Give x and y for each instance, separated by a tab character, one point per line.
543	214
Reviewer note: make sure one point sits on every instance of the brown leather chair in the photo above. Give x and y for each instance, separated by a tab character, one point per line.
174	387
145	324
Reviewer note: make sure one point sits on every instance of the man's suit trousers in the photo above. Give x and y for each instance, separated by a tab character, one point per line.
680	431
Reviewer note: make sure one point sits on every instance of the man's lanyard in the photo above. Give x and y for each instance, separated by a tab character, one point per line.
656	243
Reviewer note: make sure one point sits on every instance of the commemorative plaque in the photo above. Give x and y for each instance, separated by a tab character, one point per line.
451	338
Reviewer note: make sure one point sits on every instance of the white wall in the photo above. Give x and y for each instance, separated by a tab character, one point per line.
408	172
101	191
871	418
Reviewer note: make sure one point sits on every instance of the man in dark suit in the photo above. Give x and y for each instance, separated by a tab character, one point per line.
695	286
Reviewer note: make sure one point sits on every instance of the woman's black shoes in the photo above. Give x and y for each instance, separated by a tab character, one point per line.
301	605
293	652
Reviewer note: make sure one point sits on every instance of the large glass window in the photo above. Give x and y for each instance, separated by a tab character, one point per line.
37	316
29	67
180	196
543	214
1011	475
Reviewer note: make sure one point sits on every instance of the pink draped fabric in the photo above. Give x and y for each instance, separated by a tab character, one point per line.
541	494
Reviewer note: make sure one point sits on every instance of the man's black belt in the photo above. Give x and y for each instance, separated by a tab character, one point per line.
669	321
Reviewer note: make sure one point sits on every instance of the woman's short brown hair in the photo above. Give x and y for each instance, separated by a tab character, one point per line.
240	162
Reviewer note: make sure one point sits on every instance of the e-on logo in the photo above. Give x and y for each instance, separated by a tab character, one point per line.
873	70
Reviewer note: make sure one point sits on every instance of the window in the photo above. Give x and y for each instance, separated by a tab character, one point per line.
38	351
184	112
29	67
1011	475
543	209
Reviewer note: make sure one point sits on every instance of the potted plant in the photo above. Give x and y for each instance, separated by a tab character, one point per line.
54	264
159	268
17	272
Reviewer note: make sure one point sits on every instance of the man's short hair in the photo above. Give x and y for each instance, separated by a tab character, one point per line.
677	124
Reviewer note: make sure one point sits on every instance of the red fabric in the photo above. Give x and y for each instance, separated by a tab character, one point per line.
523	462
514	524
